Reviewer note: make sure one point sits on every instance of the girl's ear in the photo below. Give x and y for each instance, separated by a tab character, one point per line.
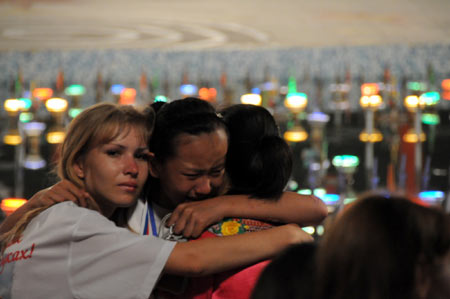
78	168
153	165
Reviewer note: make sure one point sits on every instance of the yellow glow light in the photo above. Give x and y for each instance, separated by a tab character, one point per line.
12	139
412	137
373	101
252	99
56	105
376	136
55	137
296	101
412	102
296	134
9	205
14	105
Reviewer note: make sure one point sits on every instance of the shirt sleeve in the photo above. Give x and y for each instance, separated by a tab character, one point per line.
106	261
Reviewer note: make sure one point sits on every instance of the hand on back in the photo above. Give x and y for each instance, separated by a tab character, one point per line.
191	218
60	192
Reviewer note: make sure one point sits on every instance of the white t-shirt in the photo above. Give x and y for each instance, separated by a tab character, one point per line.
73	252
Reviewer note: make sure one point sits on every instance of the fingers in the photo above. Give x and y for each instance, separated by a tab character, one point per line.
62	191
65	190
189	219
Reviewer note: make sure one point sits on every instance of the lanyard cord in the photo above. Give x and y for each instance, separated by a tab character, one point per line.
151	217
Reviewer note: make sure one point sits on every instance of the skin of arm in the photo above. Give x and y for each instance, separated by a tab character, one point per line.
61	191
191	218
212	255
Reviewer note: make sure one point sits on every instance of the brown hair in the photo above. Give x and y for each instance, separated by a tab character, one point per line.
96	125
382	248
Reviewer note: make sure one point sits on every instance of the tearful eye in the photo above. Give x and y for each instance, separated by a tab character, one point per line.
191	176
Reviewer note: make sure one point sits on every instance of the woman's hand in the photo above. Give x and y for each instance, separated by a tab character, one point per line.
61	191
192	218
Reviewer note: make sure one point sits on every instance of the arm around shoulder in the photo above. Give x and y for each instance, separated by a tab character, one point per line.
290	208
212	255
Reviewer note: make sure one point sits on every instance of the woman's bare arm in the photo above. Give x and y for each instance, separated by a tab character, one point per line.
192	218
212	255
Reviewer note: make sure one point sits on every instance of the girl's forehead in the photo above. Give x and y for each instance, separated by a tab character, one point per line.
117	133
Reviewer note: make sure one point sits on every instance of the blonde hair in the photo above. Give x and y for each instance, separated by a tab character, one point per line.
96	125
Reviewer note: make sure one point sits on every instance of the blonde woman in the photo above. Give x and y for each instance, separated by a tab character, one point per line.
66	251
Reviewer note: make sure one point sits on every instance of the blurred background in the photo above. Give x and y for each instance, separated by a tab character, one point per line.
360	89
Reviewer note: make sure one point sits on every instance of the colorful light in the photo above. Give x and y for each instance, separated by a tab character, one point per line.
416	86
446	89
432	196
188	90
373	101
256	90
318	117
446	84
369	89
412	137
14	105
207	94
160	98
56	137
330	199
251	99
34	162
42	93
296	134
75	90
431	119
9	205
34	128
292	85
127	96
296	101
12	139
27	103
320	230
116	89
376	136
430	98
26	117
345	161
412	102
73	112
56	105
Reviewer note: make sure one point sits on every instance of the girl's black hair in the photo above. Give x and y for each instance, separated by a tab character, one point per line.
259	161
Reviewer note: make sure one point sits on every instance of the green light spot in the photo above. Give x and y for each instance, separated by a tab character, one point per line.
73	112
345	161
416	86
430	98
430	119
160	98
75	90
26	117
27	103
